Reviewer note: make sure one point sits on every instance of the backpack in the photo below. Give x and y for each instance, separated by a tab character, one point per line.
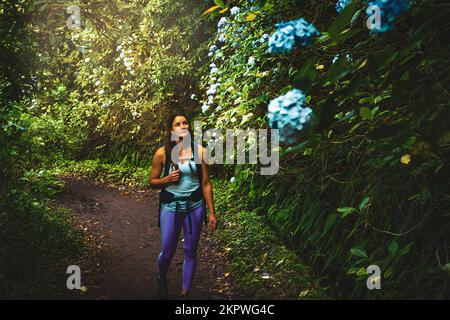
166	196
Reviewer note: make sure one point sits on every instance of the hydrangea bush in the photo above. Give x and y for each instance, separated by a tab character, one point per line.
342	154
290	33
289	114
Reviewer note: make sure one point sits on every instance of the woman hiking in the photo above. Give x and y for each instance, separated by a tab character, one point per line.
186	189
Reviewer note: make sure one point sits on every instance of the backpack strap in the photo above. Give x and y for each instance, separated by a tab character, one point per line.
167	163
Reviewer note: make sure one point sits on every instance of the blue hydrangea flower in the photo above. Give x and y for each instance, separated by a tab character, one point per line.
222	23
211	91
214	70
288	33
289	114
340	5
222	38
264	38
205	107
235	10
283	40
305	31
389	9
213	48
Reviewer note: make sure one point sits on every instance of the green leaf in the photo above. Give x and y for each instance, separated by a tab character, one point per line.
356	126
338	70
250	17
406	249
307	152
362	272
364	203
382	59
358	252
325	111
295	148
305	78
393	247
366	113
121	6
388	272
342	21
211	10
352	271
345	211
219	3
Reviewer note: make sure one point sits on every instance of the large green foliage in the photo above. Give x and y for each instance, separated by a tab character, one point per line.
35	241
113	81
367	184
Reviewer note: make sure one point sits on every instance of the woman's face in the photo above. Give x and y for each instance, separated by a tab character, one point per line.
180	126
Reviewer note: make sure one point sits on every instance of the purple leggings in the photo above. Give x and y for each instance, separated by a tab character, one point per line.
169	238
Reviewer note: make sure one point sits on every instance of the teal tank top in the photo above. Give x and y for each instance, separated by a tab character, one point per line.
188	182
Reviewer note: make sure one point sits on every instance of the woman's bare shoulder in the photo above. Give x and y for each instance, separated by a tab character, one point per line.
161	149
160	153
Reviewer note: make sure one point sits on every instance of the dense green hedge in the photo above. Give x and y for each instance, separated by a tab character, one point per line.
367	183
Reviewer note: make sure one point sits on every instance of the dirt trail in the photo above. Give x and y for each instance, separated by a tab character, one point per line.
121	229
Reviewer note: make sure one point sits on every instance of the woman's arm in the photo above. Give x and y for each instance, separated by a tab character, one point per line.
208	191
157	165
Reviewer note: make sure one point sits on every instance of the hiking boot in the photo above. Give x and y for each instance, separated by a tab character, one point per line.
161	289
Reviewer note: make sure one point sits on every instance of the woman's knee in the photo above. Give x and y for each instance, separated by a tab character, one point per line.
166	254
190	252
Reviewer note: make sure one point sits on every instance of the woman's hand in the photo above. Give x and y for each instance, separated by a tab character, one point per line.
213	222
173	176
